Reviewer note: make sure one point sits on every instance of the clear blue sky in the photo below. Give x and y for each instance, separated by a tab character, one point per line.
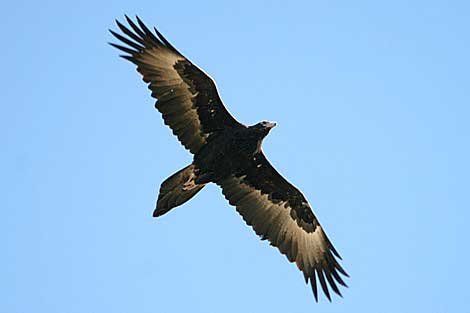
372	104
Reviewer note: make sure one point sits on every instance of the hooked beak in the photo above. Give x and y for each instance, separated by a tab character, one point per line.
271	125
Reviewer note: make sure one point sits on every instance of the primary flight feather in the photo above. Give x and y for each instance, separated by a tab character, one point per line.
229	154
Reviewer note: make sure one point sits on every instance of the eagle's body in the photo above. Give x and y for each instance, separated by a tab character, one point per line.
229	154
229	151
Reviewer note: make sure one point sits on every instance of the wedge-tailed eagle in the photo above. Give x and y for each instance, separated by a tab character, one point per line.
229	154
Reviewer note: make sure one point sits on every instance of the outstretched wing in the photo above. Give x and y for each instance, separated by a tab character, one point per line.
187	97
279	212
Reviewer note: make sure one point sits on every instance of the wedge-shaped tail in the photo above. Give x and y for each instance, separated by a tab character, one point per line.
177	189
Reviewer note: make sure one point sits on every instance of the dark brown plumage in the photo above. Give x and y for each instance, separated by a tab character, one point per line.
228	154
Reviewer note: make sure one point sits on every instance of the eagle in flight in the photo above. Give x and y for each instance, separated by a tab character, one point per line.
229	154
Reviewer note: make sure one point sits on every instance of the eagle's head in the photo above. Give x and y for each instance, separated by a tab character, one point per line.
259	131
263	128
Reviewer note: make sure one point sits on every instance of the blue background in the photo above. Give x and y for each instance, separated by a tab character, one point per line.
372	104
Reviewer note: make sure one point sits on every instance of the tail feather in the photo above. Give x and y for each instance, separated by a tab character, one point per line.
177	189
